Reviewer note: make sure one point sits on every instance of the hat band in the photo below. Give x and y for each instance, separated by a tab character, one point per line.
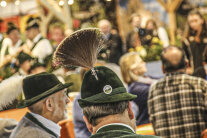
101	94
42	94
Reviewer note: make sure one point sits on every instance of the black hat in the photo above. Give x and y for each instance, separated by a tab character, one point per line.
32	23
39	86
10	27
22	57
107	89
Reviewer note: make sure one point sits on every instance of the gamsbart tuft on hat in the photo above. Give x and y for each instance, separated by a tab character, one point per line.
107	89
39	86
100	84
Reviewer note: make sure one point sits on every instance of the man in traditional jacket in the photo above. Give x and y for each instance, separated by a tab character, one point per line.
45	97
40	47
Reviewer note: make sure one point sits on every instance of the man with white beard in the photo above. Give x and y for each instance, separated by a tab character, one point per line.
45	97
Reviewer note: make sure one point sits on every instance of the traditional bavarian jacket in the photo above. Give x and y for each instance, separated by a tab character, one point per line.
8	48
118	130
36	126
40	48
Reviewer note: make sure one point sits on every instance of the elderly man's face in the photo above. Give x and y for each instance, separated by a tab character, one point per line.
61	105
105	28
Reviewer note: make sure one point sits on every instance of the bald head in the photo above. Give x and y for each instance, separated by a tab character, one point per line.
173	59
105	26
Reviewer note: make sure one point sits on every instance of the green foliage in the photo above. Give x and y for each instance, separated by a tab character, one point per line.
152	52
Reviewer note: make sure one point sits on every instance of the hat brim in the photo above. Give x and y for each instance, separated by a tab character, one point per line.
28	102
106	98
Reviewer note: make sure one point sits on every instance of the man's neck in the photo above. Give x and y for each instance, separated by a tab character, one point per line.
110	120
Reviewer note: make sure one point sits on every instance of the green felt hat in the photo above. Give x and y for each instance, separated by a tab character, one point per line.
39	86
107	89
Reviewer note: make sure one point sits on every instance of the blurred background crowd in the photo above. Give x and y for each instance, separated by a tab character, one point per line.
136	32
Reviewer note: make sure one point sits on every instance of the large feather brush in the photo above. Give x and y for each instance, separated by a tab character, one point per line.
79	49
10	89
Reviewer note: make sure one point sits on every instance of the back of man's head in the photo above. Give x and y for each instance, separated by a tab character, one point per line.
95	112
173	59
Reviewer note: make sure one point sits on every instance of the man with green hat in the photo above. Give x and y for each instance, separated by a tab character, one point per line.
45	97
104	99
106	107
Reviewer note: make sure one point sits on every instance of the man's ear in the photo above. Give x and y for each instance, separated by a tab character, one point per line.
89	126
130	111
50	105
187	63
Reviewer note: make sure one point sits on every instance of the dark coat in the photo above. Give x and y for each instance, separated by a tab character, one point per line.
196	52
113	48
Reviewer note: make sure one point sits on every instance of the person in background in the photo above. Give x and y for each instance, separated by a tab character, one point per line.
137	37
56	34
176	102
11	44
37	67
80	127
24	62
133	69
156	31
1	35
195	43
113	48
39	46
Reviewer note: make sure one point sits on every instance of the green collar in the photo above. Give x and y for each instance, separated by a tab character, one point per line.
115	126
33	119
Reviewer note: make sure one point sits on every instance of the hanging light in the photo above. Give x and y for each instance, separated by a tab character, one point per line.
61	2
3	3
108	0
70	2
17	2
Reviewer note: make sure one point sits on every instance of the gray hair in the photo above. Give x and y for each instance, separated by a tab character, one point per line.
37	108
95	112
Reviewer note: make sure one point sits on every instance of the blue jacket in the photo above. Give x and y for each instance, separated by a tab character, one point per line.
80	129
142	91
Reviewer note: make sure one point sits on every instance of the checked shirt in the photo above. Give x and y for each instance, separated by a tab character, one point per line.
177	107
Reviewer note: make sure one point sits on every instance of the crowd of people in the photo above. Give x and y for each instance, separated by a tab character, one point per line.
115	95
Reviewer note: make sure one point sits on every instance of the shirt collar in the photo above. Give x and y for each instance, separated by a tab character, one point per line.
48	123
37	38
116	124
174	73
